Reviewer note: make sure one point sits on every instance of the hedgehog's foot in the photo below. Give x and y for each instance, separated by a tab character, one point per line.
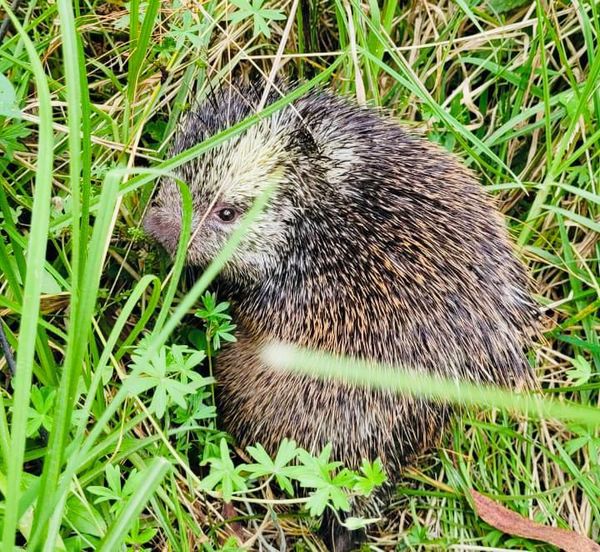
338	538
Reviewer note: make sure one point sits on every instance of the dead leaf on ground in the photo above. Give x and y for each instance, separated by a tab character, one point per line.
515	524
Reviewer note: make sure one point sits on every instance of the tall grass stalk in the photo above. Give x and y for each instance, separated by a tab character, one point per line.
75	81
74	354
36	253
441	389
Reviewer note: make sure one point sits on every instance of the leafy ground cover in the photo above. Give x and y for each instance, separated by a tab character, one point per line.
108	436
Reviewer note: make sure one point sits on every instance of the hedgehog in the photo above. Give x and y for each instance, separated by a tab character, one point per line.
375	244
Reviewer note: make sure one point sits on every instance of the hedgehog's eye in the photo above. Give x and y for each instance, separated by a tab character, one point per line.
227	214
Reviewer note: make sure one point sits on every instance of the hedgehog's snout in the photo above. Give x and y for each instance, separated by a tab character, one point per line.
164	227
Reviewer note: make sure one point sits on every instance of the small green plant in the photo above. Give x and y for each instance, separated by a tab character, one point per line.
260	15
187	32
12	136
224	475
115	492
328	484
13	132
8	99
216	321
169	374
279	467
584	439
581	371
40	411
124	22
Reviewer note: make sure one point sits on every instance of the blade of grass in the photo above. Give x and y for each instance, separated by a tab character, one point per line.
4	434
579	219
542	21
397	379
140	44
75	81
36	254
76	346
592	83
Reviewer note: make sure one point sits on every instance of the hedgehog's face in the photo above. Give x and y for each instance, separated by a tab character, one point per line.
224	183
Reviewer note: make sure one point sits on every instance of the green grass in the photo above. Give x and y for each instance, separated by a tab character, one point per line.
512	87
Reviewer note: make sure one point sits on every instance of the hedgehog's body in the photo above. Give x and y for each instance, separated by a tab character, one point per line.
376	245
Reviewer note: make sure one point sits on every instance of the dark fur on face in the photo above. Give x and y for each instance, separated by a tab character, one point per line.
377	244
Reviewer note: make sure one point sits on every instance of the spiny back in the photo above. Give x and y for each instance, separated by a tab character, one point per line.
378	244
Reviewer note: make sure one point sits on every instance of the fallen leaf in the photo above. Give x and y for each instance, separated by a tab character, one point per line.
515	524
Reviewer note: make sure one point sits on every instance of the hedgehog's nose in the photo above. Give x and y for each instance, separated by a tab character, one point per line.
163	227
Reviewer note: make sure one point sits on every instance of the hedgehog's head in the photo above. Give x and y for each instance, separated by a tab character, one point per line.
278	152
